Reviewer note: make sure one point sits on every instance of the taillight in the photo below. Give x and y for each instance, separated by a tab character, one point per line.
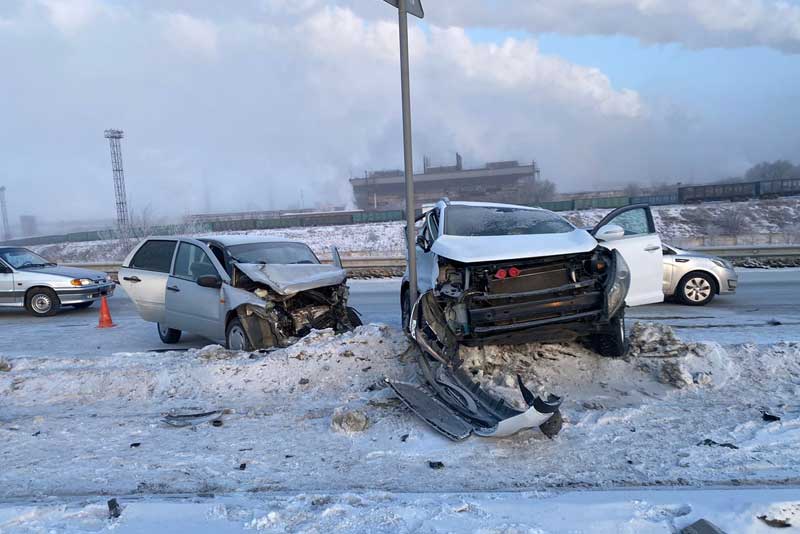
501	274
513	272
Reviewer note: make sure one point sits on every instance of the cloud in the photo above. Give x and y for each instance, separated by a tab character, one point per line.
72	16
292	98
189	34
693	23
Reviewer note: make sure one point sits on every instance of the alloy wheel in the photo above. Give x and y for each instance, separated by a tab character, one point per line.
697	289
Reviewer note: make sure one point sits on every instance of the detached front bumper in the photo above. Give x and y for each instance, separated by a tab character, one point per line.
452	403
83	294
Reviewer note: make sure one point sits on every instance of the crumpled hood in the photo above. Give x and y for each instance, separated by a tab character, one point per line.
468	249
290	279
68	272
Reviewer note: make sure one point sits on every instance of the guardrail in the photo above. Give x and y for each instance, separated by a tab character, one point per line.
752	251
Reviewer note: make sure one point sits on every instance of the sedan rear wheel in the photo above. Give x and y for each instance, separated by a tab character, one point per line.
696	289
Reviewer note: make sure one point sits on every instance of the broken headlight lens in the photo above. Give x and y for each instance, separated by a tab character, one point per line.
619	286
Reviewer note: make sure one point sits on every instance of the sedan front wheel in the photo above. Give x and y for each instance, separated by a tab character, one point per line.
42	302
696	289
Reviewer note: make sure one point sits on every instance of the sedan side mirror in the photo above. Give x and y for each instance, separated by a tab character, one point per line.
210	280
610	232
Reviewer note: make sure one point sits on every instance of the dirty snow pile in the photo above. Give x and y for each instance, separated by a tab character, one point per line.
317	416
657	362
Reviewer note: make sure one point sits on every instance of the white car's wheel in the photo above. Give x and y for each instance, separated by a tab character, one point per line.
696	289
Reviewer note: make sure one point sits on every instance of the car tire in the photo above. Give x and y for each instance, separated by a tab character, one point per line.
236	336
613	343
696	289
82	305
354	317
405	310
42	302
169	336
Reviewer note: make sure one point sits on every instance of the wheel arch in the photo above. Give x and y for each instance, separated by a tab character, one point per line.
38	286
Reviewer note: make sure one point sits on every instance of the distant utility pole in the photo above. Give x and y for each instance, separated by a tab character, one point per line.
123	221
4	212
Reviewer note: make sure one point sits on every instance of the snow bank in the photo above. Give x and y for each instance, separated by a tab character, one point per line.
628	511
73	426
658	362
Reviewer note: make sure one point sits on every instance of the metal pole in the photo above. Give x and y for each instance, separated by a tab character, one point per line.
409	160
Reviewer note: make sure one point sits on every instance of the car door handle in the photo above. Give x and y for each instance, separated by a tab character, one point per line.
174	288
652	248
133	279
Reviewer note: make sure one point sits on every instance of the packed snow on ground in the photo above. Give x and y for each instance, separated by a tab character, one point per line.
387	239
69	425
630	511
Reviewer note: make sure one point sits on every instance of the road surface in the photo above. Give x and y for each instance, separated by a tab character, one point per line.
764	310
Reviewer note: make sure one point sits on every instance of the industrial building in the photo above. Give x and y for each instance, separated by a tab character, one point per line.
499	181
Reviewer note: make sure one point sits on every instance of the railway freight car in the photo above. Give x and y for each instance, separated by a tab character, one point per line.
779	188
706	193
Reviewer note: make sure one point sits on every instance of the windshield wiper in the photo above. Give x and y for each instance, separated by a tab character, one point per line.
28	265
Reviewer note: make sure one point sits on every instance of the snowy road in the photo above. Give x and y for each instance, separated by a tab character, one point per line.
764	299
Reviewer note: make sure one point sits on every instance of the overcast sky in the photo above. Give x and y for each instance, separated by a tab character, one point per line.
251	104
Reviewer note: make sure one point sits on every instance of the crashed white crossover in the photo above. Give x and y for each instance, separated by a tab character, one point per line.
253	292
505	274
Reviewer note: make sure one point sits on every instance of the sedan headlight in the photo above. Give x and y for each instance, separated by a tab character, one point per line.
619	286
725	264
81	282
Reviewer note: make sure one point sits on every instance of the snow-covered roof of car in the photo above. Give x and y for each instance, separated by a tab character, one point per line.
243	239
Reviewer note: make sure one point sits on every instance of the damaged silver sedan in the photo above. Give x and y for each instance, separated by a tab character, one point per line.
253	292
505	274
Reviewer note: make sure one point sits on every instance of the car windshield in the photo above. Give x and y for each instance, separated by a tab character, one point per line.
22	258
496	221
273	253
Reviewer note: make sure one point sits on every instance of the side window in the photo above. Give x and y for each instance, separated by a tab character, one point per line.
4	269
635	222
154	256
192	262
433	225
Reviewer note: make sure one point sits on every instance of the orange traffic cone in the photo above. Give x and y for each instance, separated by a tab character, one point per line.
105	315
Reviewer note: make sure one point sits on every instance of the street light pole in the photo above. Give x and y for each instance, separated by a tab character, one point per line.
407	153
